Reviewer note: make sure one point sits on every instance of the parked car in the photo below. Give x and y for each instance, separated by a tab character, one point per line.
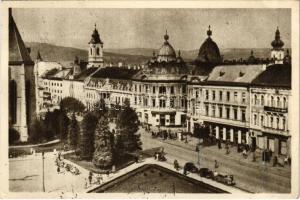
190	167
224	178
205	172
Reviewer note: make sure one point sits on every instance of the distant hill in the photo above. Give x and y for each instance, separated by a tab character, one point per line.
189	55
62	54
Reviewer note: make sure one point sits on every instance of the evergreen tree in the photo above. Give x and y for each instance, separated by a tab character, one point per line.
100	108
87	136
63	126
103	155
36	131
70	104
127	125
73	133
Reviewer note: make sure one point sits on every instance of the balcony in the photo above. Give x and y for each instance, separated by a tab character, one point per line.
274	109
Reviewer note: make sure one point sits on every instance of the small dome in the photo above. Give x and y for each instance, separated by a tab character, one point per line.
209	51
251	58
166	53
277	43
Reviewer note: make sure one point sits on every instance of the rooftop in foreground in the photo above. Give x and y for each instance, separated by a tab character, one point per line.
152	178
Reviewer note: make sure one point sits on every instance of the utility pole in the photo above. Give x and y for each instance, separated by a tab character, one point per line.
43	158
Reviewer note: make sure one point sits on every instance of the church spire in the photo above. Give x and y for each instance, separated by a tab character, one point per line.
209	32
277	43
166	36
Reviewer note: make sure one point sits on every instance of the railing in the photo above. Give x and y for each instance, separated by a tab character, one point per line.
274	109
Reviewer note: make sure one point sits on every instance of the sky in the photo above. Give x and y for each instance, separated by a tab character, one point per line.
144	28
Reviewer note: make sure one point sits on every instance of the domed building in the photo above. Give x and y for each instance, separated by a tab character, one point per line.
277	52
160	89
209	53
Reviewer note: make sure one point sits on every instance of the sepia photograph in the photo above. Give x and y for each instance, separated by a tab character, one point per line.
151	101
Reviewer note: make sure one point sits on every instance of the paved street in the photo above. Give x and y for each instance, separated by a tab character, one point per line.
247	176
26	176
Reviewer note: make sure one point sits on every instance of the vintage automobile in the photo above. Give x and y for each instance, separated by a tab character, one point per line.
224	178
205	172
190	167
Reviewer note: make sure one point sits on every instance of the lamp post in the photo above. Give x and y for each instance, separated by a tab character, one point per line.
43	158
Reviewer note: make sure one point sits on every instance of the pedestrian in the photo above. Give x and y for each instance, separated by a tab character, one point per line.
107	173
90	177
245	153
176	165
85	184
227	148
99	179
216	164
275	161
58	169
219	144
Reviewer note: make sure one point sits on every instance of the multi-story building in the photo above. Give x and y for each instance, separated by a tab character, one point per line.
173	94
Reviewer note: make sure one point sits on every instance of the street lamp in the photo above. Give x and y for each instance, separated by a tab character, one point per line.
43	158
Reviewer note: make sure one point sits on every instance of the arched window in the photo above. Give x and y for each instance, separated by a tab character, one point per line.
271	122
97	50
278	102
272	101
262	100
283	124
277	123
261	120
284	102
13	101
255	99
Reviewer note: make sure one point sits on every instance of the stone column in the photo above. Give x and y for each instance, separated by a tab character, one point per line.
231	135
239	136
224	133
217	132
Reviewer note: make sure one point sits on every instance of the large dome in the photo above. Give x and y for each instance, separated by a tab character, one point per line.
209	51
166	53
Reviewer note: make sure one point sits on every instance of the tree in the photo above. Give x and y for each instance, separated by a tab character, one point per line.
50	125
63	126
87	137
103	155
70	104
14	135
127	125
37	131
100	108
73	132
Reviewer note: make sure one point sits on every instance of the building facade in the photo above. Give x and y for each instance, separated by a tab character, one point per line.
172	94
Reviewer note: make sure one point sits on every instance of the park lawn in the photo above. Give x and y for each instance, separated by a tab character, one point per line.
121	163
22	151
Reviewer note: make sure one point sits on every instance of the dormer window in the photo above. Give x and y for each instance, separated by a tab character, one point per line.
222	73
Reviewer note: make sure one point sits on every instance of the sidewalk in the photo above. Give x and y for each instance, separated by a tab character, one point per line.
234	156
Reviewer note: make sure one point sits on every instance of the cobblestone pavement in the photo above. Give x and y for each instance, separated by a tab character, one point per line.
250	176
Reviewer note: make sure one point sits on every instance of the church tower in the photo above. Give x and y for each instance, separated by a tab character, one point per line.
277	52
95	50
22	103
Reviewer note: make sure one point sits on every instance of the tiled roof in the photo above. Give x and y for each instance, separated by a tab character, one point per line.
274	76
114	73
85	73
237	74
18	54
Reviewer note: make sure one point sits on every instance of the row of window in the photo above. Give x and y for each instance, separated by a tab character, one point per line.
161	89
272	101
225	96
53	84
160	103
222	111
270	121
